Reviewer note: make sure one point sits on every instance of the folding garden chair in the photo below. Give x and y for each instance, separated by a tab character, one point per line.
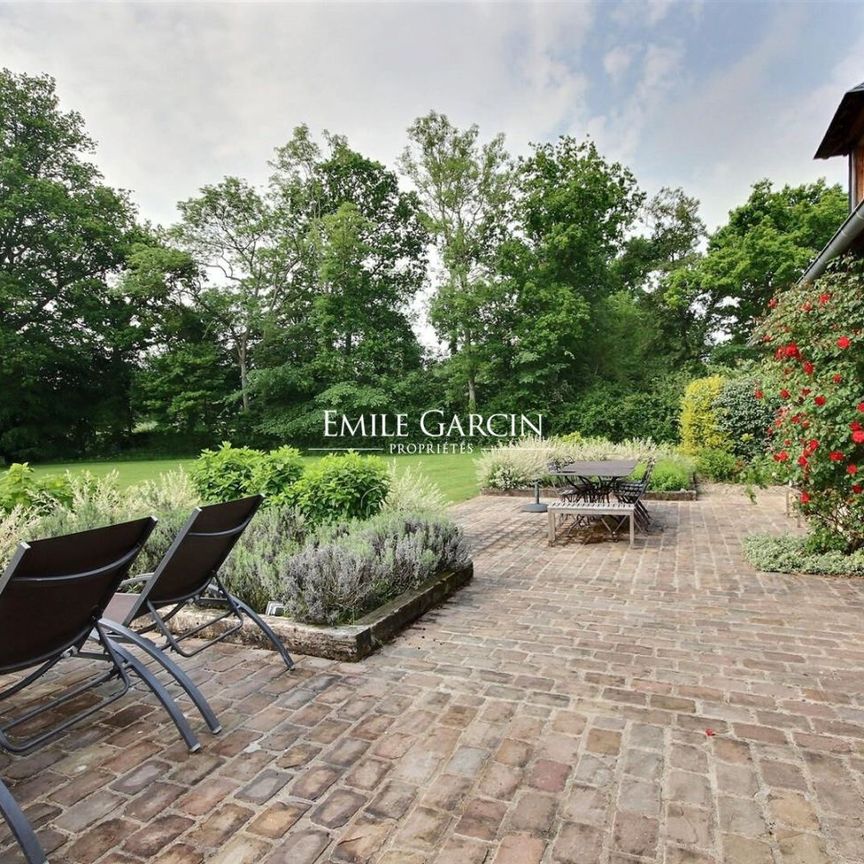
20	827
633	492
189	574
52	596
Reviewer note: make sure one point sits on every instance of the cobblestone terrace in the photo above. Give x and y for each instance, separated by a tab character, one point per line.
574	704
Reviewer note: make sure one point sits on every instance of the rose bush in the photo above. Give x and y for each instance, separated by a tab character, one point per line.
815	335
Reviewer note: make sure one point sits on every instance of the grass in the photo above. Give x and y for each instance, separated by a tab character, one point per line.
453	472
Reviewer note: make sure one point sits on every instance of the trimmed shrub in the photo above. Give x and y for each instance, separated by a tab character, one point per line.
344	572
20	486
412	491
255	569
670	475
717	465
341	487
700	426
235	472
743	419
275	473
789	554
226	473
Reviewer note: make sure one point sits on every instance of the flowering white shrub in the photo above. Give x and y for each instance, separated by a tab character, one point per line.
521	464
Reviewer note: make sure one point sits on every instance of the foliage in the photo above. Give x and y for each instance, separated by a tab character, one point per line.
275	473
16	525
235	472
816	368
94	502
744	420
520	465
464	188
341	487
343	572
762	250
619	412
714	463
227	473
700	427
671	475
790	554
21	487
340	334
65	334
255	569
411	491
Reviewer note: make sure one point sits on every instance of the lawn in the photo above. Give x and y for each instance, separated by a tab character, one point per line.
454	473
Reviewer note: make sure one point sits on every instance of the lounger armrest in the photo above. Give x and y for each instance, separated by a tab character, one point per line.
134	580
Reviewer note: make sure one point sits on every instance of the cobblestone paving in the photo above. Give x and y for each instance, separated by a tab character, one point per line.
582	703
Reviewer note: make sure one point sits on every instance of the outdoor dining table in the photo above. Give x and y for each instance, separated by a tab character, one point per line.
601	476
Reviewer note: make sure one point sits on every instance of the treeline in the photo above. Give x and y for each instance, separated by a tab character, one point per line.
553	285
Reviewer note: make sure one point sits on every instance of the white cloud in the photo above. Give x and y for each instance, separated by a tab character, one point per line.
618	60
179	95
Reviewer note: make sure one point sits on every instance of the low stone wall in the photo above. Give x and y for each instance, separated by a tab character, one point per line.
679	495
351	642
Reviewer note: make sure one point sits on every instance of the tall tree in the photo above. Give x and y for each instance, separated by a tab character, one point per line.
557	272
670	241
64	333
230	230
465	188
760	251
342	335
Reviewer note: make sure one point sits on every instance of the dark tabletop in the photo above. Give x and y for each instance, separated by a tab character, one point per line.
599	468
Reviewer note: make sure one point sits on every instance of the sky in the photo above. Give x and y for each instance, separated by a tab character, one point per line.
710	96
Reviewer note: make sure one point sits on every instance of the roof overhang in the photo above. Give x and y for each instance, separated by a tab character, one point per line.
847	127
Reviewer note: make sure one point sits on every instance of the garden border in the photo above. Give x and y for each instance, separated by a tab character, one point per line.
351	642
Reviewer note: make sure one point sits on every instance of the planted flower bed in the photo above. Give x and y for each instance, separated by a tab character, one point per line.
350	553
515	468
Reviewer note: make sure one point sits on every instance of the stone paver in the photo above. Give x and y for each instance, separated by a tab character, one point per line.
581	703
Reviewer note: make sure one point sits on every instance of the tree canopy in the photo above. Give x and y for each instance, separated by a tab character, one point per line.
462	279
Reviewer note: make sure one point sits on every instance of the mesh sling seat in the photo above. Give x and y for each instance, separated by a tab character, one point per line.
189	574
52	597
20	827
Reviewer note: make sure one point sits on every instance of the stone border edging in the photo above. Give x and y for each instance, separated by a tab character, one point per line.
351	642
679	495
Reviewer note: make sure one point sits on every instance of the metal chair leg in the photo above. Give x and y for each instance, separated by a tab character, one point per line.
161	694
20	828
152	650
265	629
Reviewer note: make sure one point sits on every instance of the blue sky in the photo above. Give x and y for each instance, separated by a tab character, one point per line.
710	96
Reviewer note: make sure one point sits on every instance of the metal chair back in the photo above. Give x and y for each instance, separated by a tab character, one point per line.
55	590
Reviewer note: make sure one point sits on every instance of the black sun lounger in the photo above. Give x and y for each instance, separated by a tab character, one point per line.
189	574
52	597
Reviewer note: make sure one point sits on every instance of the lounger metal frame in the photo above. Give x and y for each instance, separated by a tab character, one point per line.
21	829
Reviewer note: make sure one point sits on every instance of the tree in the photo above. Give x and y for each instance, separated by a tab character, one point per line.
66	336
185	380
669	243
762	250
342	334
557	276
465	189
